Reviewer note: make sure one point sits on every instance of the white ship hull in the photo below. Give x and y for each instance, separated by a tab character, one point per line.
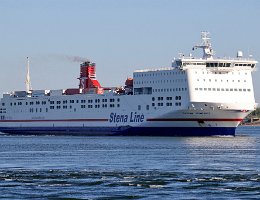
188	122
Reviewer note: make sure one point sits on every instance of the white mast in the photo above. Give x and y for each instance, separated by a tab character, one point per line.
205	45
28	81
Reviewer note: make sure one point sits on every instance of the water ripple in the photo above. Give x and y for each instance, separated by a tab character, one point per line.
100	168
77	184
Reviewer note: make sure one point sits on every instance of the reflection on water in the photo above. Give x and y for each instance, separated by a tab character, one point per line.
49	167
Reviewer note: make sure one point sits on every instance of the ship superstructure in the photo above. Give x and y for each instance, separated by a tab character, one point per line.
195	96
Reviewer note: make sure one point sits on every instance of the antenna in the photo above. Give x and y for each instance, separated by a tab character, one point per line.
28	81
205	45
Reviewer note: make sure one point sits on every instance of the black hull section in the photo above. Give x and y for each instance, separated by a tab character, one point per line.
123	131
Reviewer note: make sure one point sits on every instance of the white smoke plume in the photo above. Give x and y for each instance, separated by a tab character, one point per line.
77	59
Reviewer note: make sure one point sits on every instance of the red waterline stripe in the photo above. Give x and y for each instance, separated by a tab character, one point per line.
57	120
192	119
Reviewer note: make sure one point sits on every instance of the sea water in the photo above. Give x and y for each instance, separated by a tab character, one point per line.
73	167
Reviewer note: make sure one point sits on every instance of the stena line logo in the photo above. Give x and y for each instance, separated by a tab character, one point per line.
132	117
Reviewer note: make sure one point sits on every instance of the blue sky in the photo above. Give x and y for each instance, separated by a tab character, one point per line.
119	35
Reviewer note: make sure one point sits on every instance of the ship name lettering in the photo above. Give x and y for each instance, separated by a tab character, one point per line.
134	117
118	118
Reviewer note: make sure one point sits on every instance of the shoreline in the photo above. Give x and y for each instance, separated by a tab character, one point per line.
250	124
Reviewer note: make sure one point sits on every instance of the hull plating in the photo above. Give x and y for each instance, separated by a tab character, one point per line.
127	131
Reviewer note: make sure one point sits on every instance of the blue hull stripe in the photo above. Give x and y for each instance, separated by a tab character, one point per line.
129	131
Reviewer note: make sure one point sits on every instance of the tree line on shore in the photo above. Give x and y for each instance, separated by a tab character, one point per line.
255	113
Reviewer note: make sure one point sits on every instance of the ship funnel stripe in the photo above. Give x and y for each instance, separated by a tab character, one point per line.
149	119
57	120
194	119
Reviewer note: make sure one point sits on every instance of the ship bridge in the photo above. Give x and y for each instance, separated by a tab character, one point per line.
209	62
215	64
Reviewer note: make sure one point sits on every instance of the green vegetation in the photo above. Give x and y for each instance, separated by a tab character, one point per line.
255	113
252	117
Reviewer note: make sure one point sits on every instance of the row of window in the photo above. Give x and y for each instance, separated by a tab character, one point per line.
31	110
100	106
167	104
158	74
217	64
245	65
167	98
181	80
179	63
183	72
26	103
161	81
170	90
66	107
87	106
224	89
59	102
216	80
210	72
160	104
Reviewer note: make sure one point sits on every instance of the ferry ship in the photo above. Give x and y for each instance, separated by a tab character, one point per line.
194	97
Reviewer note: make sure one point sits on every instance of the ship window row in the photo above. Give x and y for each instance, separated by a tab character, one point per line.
209	72
167	104
82	106
216	80
245	65
161	81
218	64
138	91
27	103
102	106
31	110
224	89
170	90
58	106
60	102
179	63
84	101
167	98
158	74
87	106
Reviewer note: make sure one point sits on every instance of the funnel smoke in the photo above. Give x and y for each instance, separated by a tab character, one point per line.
77	59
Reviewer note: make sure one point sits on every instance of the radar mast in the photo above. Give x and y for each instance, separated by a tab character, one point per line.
205	45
